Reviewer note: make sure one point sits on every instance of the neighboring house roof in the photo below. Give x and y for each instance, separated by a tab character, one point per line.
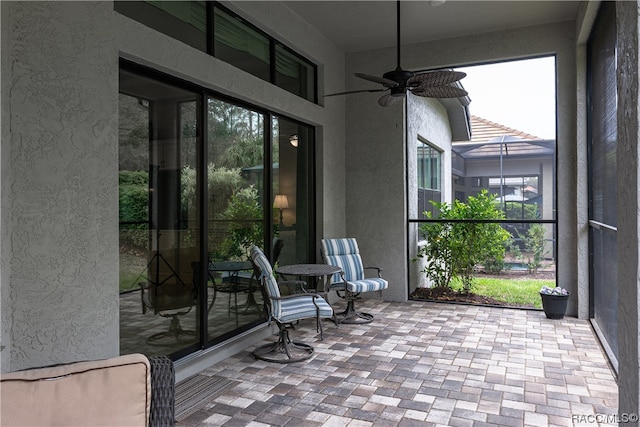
490	139
483	130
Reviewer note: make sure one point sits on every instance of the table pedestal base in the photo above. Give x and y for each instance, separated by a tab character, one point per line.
351	316
175	331
284	350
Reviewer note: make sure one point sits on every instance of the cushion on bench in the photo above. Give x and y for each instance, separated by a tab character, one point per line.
110	392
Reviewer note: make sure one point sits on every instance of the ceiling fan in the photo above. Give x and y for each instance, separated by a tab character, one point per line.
431	84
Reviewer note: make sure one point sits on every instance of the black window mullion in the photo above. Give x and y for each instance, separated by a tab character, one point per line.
268	182
272	61
202	151
210	33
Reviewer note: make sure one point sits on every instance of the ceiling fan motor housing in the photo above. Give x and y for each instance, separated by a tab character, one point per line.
399	76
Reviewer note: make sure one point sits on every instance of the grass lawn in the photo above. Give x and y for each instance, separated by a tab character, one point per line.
521	291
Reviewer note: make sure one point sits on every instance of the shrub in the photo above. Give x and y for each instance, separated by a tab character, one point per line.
454	249
133	192
245	230
534	245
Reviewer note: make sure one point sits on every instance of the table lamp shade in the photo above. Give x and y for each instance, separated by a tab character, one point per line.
281	202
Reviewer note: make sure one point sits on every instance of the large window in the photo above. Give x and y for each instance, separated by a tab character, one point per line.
429	178
519	197
182	20
199	176
237	43
212	28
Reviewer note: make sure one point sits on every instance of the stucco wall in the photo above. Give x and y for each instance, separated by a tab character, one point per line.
375	185
5	247
427	121
382	154
628	235
61	289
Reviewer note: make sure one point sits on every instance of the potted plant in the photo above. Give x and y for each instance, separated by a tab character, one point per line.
554	301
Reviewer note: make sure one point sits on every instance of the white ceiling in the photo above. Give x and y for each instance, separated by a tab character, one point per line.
362	25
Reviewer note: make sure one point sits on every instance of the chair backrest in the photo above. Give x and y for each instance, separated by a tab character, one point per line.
267	280
345	254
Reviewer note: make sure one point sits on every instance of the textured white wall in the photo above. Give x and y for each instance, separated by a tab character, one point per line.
59	242
375	185
369	131
427	121
5	211
61	289
628	235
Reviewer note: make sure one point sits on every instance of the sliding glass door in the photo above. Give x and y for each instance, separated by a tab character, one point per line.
235	215
202	180
159	227
293	191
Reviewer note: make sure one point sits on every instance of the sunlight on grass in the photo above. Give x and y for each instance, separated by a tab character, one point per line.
524	292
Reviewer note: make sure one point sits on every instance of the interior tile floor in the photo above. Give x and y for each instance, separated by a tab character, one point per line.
424	364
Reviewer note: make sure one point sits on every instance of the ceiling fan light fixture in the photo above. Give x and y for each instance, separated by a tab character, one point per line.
399	91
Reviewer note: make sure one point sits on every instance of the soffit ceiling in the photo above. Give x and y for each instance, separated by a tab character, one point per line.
362	25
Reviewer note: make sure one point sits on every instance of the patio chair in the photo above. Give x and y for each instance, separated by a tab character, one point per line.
243	281
172	300
345	254
284	310
276	248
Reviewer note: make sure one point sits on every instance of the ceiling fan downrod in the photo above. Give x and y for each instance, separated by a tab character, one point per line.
398	75
399	82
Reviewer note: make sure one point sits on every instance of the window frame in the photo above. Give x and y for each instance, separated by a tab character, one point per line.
203	340
136	11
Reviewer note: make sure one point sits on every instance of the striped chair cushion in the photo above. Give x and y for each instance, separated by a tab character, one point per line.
302	306
367	285
270	282
345	254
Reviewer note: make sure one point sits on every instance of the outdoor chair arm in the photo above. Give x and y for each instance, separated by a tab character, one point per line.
379	270
305	295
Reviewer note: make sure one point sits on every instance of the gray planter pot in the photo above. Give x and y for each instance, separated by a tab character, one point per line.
554	306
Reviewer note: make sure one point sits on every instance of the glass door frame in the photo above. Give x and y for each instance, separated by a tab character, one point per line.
202	151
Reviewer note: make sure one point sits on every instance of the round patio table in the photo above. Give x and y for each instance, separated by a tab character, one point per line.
316	271
232	268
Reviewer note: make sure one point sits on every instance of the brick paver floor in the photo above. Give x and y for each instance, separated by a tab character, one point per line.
424	364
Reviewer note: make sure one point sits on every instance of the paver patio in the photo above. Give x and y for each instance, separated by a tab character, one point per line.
422	363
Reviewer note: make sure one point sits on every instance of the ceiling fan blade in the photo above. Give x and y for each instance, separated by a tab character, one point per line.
446	91
435	78
376	79
389	99
355	91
